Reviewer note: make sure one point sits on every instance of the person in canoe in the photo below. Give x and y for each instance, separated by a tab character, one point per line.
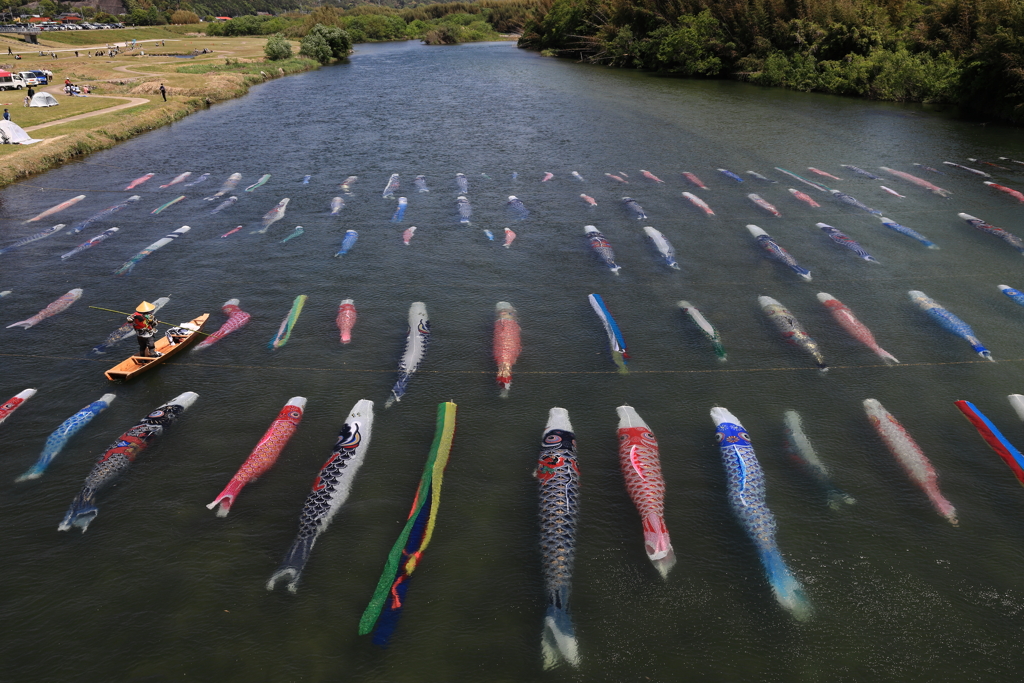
144	323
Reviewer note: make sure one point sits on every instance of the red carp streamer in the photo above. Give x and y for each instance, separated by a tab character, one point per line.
1008	190
856	329
804	198
346	319
14	402
641	470
264	455
507	344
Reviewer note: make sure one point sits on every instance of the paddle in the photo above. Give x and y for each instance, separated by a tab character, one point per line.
111	310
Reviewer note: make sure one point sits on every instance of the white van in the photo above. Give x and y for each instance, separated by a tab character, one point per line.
29	78
9	81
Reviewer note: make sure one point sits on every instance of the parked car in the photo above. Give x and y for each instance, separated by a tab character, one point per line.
29	77
9	81
41	77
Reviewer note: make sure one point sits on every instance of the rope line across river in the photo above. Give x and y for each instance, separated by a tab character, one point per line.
264	368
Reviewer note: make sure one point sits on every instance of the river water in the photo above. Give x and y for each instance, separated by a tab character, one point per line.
161	589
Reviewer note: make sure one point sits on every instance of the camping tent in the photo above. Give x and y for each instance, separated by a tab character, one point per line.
13	134
43	99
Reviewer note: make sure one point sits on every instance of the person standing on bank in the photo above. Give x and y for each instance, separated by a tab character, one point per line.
163	91
144	324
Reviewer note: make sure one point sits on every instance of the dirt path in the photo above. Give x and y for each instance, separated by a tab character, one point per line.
128	102
125	69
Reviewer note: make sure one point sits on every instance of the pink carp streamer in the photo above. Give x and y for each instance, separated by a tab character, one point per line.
56	209
920	182
53	309
695	180
178	179
138	181
14	402
650	176
641	470
915	463
408	234
346	319
764	204
699	203
507	344
264	455
237	319
858	330
510	237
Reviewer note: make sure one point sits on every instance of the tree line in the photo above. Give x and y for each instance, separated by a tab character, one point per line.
964	52
438	23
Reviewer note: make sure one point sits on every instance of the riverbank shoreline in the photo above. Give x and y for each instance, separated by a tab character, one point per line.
131	79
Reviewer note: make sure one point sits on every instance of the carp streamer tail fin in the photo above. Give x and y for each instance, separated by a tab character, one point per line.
226	497
558	639
81	513
293	564
786	587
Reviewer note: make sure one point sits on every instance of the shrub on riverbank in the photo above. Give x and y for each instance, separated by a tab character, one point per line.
277	48
324	43
968	52
182	16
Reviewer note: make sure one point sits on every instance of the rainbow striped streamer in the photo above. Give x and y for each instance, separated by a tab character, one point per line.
381	615
285	331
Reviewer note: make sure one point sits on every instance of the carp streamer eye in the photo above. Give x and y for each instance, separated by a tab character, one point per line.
744	436
718	437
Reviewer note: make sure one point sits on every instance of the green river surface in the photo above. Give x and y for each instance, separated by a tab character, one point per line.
160	589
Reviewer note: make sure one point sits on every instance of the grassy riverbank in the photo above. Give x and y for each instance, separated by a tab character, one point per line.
125	96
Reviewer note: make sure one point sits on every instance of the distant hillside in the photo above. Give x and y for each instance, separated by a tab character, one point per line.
138	11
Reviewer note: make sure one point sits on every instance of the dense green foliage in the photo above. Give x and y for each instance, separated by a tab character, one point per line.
969	52
363	20
452	22
181	16
315	47
248	25
324	43
277	48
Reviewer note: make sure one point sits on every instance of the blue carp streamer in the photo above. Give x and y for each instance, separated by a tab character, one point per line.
747	500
